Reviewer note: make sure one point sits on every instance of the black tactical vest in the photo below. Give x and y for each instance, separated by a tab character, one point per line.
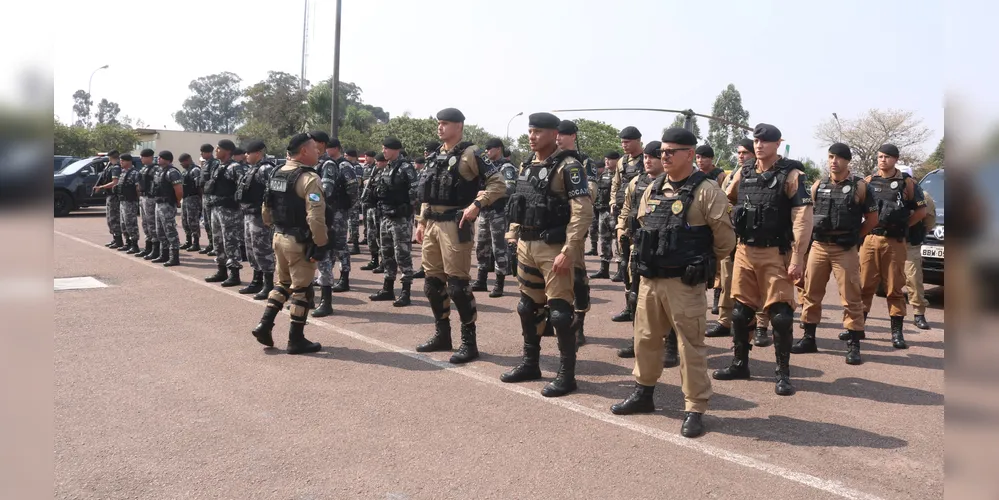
250	191
602	203
190	183
223	188
763	210
714	173
207	168
665	245
628	172
443	185
341	198
893	215
163	188
146	175
287	208
540	213
126	185
392	191
837	216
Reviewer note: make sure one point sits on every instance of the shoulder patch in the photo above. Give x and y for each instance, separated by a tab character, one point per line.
314	197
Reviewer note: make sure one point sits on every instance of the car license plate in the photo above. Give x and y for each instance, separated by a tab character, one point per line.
934	252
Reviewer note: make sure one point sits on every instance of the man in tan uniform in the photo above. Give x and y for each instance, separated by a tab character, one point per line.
882	257
914	263
844	214
773	220
294	206
723	328
685	228
629	167
450	201
549	211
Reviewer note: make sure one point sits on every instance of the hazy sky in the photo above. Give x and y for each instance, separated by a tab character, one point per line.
795	62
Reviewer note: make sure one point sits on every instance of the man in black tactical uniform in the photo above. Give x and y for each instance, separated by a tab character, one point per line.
191	205
208	165
147	205
226	216
629	167
340	191
168	192
258	238
393	191
606	223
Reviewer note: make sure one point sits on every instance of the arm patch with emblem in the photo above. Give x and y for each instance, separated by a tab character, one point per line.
576	184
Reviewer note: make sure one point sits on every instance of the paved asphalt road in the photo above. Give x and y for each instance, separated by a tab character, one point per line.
161	392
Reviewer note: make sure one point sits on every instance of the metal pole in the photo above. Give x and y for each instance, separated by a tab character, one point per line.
334	106
305	27
89	84
508	125
688	120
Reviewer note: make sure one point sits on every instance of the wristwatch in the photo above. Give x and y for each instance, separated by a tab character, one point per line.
478	204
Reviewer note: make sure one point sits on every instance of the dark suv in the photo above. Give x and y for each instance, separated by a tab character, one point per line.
74	185
933	246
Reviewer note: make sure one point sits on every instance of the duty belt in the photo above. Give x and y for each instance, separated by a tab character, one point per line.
666	272
446	216
163	199
888	233
294	232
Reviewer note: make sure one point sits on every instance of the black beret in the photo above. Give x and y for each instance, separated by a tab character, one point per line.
613	155
207	148
333	143
601	164
255	146
184	156
747	143
147	153
450	115
677	135
320	136
238	151
126	157
380	157
227	145
296	142
766	132
506	151
841	150
652	148
392	143
889	149
567	127
630	133
543	121
705	151
419	160
166	155
369	154
113	153
350	152
432	146
494	143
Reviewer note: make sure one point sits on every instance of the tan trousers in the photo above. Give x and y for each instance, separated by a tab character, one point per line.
292	271
759	277
444	255
663	304
534	272
844	265
725	303
883	259
914	279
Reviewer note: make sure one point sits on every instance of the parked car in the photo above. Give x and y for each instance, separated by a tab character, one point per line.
933	246
61	161
74	185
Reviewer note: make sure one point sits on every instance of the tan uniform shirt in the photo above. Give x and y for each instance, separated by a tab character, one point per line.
625	160
309	189
710	208
860	198
622	218
468	169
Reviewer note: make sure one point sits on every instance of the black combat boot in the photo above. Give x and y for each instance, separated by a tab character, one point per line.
441	341
528	369
672	357
897	339
739	369
195	245
342	284
625	316
714	305
379	269
782	350
263	330
386	293
578	322
845	334
255	284
468	350
920	322
626	352
233	279
146	251
403	299
640	401
265	290
565	379
174	259
187	242
718	330
481	282
116	241
593	247
325	303
155	254
164	254
421	274
297	343
210	247
355	248
134	248
761	338
126	245
110	243
212	253
692	425
603	273
498	286
853	348
619	275
219	275
807	342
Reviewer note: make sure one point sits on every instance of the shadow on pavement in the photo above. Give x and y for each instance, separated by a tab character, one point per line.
853	387
798	432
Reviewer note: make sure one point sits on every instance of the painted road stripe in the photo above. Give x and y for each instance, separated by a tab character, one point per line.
79	283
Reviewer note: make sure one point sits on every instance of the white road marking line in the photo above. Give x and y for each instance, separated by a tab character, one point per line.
829	486
78	283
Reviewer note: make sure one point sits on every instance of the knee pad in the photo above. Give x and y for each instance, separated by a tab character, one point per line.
781	317
527	308
457	288
581	289
560	316
434	288
742	314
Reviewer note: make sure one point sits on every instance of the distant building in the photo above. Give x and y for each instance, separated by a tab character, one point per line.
178	141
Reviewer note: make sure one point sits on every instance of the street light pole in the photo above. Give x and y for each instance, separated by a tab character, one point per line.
335	88
508	125
839	126
89	85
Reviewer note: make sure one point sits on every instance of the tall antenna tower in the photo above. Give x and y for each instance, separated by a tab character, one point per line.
305	37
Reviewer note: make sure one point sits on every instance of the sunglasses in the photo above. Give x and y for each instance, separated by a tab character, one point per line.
667	153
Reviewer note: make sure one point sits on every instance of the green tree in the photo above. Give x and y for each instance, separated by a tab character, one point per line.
724	138
107	136
256	130
278	102
107	112
71	140
214	106
935	161
352	111
678	123
595	138
414	133
81	107
876	127
523	146
812	171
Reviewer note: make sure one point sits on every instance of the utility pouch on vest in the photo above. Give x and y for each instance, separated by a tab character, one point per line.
464	232
699	272
554	235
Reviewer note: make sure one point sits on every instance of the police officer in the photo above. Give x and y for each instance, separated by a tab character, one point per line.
844	214
490	238
340	190
900	205
420	166
367	166
191	204
372	218
684	227
354	216
208	165
549	213
630	166
773	217
147	205
258	237
106	182
914	263
458	184
226	217
127	191
594	231
606	223
392	191
168	191
294	206
705	156
239	155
